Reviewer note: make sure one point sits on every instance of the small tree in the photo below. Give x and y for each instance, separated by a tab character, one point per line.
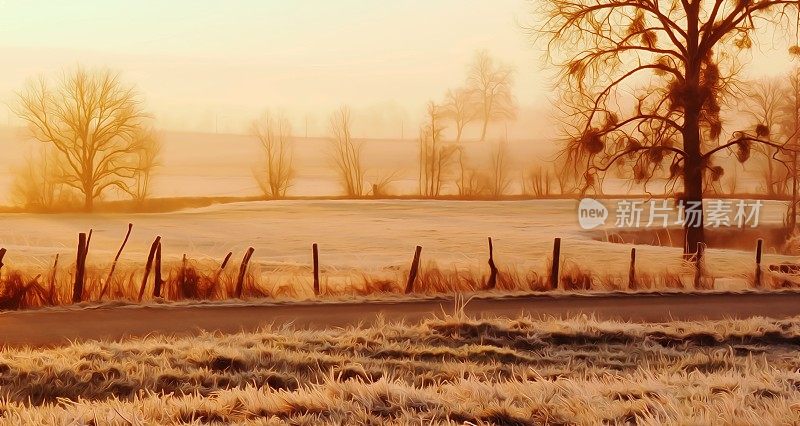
539	182
491	86
92	119
790	129
149	156
37	182
275	175
500	181
435	159
346	153
459	106
763	103
471	182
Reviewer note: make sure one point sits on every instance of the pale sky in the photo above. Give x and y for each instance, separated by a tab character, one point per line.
206	64
196	60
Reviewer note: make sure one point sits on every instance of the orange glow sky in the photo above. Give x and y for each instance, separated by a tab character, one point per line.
210	64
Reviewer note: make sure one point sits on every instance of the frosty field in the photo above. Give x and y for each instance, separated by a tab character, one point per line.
356	236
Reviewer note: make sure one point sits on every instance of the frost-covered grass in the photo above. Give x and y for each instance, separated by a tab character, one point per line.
450	369
34	287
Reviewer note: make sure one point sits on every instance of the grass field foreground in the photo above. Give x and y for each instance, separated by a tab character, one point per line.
450	369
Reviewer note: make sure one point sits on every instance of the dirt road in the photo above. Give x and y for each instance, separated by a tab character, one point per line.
49	327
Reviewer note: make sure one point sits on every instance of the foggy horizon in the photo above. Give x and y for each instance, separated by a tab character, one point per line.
385	61
203	67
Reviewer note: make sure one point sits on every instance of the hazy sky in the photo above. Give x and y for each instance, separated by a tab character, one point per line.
198	59
204	63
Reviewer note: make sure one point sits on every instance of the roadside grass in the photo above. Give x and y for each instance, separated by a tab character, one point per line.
39	286
450	369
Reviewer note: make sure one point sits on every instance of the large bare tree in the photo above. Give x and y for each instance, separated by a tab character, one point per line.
644	81
92	119
274	175
491	86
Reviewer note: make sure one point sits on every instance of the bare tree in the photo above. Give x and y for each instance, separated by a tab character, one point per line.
274	176
435	158
459	105
346	153
491	86
92	120
500	181
149	156
790	129
37	182
608	52
539	182
471	182
763	104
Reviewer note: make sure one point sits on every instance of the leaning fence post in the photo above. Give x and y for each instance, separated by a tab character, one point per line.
157	279
114	264
242	272
493	269
556	261
632	270
80	266
759	246
315	259
412	275
149	265
2	255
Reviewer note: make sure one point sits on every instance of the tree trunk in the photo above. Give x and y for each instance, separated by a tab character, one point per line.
793	209
88	202
483	131
692	179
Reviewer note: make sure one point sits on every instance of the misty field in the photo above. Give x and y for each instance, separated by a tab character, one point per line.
361	242
451	369
365	247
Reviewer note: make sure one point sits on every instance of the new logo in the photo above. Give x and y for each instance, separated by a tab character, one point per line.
591	213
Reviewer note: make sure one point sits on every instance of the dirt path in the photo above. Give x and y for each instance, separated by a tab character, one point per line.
56	326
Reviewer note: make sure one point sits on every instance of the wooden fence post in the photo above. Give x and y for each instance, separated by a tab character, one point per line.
243	272
492	267
315	259
556	261
80	268
225	261
632	270
114	264
2	255
698	262
157	279
52	290
222	268
412	275
149	266
182	272
759	247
